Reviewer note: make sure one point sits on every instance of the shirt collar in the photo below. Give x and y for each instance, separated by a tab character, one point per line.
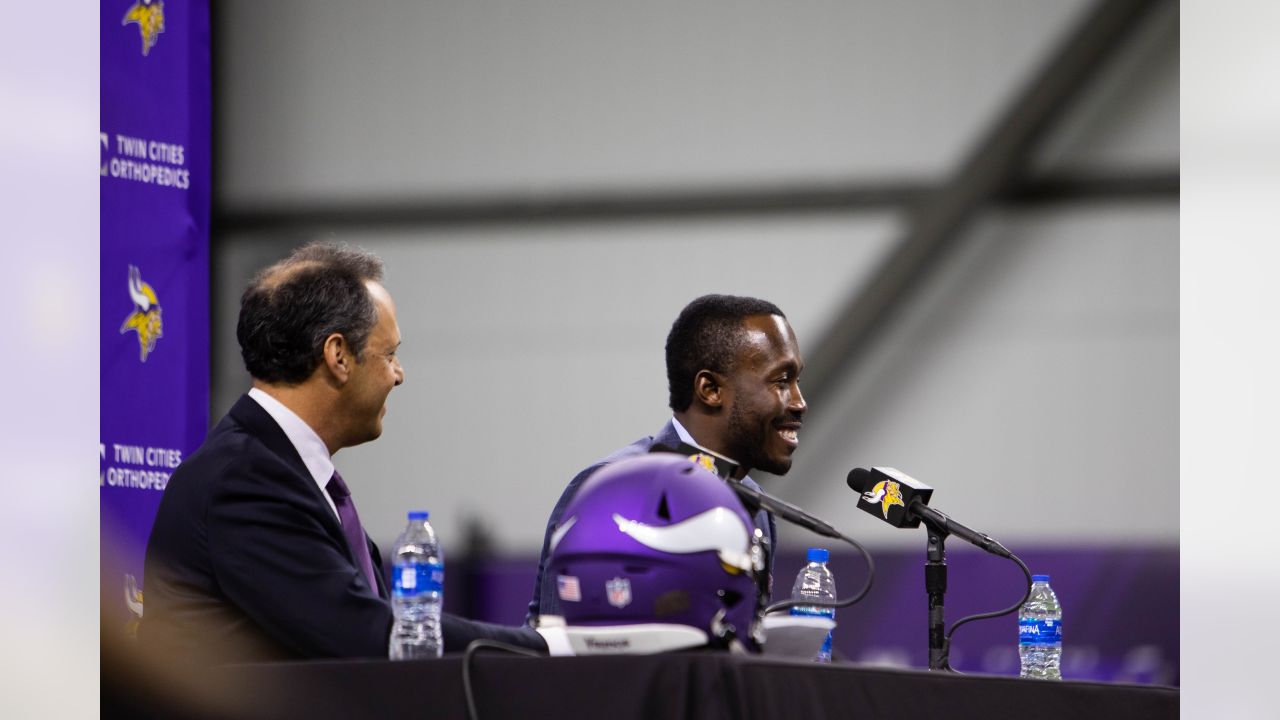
685	437
312	450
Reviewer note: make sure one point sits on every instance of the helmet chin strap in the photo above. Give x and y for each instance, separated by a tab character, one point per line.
759	559
724	636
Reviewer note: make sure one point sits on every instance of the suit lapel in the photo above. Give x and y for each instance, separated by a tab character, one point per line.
250	415
257	421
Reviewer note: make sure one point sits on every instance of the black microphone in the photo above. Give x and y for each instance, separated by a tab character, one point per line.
754	500
784	510
902	501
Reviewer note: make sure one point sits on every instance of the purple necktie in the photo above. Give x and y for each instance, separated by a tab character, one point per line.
351	527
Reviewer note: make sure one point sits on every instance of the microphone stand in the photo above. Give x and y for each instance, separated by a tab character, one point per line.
939	526
935	583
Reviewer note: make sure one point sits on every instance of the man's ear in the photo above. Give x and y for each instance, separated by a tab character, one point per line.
338	358
709	388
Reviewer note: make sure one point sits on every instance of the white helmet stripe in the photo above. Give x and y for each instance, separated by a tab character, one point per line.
718	529
560	532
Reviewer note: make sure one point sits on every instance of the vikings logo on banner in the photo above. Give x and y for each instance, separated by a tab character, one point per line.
145	318
149	16
887	493
619	592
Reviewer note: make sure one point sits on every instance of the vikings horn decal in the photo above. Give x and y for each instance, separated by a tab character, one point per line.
716	529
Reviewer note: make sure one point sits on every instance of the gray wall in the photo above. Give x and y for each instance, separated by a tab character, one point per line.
1038	368
393	98
1034	385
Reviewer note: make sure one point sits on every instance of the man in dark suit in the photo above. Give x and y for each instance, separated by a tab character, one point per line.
733	367
257	552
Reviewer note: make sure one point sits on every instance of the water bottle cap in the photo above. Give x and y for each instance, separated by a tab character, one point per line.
1039	578
418	514
818	555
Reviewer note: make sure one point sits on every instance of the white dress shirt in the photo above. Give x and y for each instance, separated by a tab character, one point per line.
314	453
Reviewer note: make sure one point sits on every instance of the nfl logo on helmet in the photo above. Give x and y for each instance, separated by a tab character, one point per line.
619	592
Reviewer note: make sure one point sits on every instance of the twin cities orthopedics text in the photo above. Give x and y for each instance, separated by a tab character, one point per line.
146	161
139	467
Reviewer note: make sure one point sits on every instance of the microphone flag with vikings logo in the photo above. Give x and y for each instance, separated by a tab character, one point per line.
887	493
154	159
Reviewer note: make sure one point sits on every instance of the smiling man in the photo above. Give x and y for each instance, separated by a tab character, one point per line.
257	552
733	371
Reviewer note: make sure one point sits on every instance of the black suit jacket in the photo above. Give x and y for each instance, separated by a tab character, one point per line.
246	561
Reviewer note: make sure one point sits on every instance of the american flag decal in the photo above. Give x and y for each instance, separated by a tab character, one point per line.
568	587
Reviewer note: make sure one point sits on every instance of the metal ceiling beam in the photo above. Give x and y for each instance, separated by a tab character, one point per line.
995	167
568	207
674	205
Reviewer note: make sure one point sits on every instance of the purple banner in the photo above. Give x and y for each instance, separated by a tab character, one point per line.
155	152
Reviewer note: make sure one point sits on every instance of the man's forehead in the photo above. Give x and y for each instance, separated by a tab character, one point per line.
379	292
386	309
767	328
767	336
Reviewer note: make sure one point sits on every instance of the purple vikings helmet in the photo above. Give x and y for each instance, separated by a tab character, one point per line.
656	553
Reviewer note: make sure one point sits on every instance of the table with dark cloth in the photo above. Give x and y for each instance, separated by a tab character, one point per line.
705	686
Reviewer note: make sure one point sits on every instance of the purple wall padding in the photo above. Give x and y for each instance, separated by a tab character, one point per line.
1120	606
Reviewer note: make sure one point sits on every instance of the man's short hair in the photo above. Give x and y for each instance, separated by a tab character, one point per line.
290	308
708	335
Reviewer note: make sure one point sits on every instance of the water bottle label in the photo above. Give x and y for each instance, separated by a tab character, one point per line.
1039	631
810	611
414	580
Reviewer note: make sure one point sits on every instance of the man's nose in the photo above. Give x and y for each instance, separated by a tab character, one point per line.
797	404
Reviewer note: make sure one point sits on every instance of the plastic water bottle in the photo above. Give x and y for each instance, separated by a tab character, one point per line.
815	582
417	592
1040	632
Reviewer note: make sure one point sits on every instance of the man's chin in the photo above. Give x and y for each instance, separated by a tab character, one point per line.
775	466
370	436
